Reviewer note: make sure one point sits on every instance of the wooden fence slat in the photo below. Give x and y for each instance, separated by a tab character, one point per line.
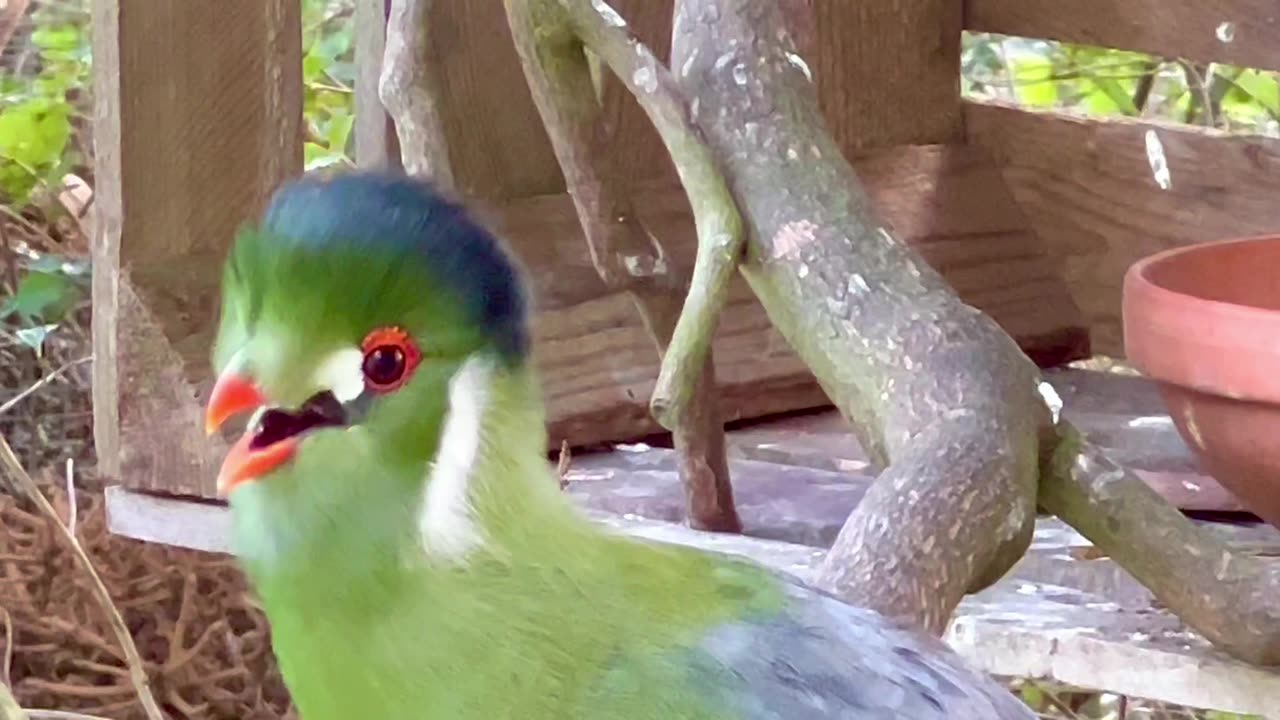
497	145
1237	32
886	72
1090	192
197	119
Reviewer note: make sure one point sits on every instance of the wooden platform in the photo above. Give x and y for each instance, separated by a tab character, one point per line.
1063	613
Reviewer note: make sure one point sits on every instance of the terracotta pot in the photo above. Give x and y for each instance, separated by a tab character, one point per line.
1204	323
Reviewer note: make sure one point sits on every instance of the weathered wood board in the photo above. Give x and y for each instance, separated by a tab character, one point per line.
1022	626
1091	195
1122	414
1238	32
598	365
193	129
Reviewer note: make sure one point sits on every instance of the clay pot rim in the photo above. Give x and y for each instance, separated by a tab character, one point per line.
1157	318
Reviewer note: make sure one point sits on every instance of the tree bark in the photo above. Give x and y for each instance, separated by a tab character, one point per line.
942	399
410	90
1233	600
940	396
625	254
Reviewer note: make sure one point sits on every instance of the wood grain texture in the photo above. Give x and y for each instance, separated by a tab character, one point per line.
598	366
1170	28
888	73
193	131
1081	622
1090	194
11	14
497	145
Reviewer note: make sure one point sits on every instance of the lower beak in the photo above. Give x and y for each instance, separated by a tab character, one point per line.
232	395
244	463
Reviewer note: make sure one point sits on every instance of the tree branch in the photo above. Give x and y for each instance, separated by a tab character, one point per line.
410	90
1228	598
933	387
719	226
627	257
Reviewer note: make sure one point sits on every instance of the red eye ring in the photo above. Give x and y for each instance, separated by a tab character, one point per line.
390	357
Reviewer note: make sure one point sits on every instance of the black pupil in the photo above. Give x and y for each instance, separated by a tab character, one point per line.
384	364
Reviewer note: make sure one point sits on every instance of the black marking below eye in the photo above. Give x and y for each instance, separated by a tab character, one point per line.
322	410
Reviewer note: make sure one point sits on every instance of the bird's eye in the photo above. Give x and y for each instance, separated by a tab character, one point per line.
389	357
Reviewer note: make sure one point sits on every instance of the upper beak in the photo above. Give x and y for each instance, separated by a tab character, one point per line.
232	395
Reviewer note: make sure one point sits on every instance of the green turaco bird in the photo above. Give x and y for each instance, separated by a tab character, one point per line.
396	514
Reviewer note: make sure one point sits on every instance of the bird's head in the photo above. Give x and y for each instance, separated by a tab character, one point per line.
349	315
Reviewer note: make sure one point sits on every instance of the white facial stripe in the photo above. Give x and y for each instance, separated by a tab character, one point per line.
446	523
342	374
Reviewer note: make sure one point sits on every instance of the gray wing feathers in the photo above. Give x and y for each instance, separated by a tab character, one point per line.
823	659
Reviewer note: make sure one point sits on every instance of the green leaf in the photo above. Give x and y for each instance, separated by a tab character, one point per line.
1111	97
339	131
57	37
1033	79
43	295
1258	87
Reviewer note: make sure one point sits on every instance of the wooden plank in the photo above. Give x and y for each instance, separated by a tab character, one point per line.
376	142
193	131
1123	415
497	145
598	365
887	73
1090	193
1238	32
1019	627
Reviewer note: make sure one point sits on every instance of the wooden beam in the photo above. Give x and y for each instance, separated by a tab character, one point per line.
376	142
497	145
887	73
1238	32
1090	192
194	127
598	365
1020	627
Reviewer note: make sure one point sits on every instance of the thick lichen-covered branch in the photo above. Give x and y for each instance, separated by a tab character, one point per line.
1229	598
410	90
936	391
624	253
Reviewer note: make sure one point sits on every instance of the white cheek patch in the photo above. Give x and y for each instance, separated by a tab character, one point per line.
342	373
446	522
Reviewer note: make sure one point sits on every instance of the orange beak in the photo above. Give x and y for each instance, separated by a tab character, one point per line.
233	394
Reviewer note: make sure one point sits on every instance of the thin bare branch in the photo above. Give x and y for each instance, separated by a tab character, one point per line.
34	387
719	225
137	671
1227	597
628	258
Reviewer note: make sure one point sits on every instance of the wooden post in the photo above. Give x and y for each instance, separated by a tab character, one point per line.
198	111
888	73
